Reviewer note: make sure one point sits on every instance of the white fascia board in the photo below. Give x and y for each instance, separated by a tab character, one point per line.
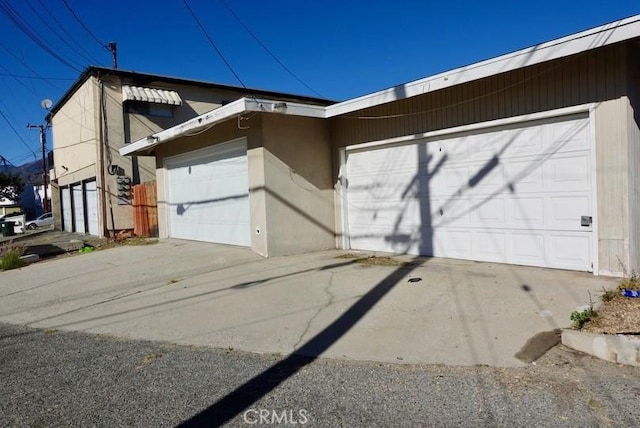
292	109
221	114
614	32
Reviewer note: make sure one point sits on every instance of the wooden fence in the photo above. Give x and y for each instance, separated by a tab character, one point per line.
145	209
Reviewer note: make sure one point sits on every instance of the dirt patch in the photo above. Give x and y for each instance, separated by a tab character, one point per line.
620	315
374	260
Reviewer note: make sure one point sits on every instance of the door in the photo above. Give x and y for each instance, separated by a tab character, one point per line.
514	194
91	193
78	208
208	194
67	215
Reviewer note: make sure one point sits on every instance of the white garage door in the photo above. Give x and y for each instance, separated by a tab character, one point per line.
208	195
509	194
67	216
78	208
92	207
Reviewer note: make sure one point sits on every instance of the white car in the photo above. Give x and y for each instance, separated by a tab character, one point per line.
44	220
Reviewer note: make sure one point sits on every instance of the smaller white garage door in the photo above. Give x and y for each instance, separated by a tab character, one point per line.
91	193
208	194
78	208
67	216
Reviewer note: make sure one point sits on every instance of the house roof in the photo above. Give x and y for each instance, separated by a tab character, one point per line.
147	78
614	32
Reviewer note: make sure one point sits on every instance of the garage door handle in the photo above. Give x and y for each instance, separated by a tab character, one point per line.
586	221
441	212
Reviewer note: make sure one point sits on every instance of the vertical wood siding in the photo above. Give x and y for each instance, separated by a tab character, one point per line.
592	76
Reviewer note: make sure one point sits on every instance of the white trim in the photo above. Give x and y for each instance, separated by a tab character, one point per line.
595	256
221	114
584	108
604	35
342	197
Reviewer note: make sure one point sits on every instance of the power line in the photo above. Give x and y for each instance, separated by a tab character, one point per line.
195	18
86	28
266	49
18	135
63	29
53	30
18	76
15	18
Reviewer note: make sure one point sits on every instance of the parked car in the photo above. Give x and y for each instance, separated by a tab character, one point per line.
44	220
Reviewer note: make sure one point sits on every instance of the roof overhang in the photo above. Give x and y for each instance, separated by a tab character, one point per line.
618	31
219	115
614	32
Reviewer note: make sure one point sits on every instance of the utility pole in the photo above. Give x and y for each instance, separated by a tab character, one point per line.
43	142
113	48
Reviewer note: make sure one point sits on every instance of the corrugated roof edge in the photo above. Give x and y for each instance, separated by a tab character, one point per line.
93	70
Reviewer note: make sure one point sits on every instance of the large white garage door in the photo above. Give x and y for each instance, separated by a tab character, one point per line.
78	208
208	195
91	193
512	194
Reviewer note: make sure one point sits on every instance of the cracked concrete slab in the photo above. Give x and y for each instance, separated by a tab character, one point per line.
460	313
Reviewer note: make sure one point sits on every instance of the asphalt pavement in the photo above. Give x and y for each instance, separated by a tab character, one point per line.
56	378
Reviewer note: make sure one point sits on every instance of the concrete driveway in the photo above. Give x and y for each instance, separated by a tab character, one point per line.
459	313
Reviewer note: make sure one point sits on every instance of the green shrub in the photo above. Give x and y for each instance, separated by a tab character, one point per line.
581	318
11	259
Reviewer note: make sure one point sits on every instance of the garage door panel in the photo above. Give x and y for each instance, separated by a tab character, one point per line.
569	251
208	195
490	213
505	195
568	172
526	212
527	248
524	176
565	212
91	192
490	246
78	209
67	216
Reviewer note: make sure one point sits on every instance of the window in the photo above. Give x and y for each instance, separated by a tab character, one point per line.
149	109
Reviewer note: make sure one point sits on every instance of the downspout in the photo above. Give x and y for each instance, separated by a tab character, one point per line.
103	187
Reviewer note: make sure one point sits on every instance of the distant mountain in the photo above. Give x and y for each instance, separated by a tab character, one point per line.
31	172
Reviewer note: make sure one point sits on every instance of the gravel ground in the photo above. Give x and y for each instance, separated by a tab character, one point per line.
54	378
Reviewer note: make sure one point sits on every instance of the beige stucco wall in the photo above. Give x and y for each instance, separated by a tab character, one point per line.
290	180
75	142
612	164
75	136
298	184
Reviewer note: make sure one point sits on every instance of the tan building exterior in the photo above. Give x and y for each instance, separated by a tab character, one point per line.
529	158
104	111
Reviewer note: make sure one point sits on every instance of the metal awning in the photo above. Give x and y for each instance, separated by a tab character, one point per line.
150	95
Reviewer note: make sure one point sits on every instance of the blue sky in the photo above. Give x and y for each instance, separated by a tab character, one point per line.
341	49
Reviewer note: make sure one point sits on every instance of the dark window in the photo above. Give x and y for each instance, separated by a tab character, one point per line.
149	109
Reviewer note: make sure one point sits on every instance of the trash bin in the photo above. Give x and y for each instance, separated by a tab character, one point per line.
6	228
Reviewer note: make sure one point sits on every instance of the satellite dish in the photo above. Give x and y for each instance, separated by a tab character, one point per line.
46	103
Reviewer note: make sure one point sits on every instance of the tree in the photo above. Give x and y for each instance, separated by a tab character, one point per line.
11	186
